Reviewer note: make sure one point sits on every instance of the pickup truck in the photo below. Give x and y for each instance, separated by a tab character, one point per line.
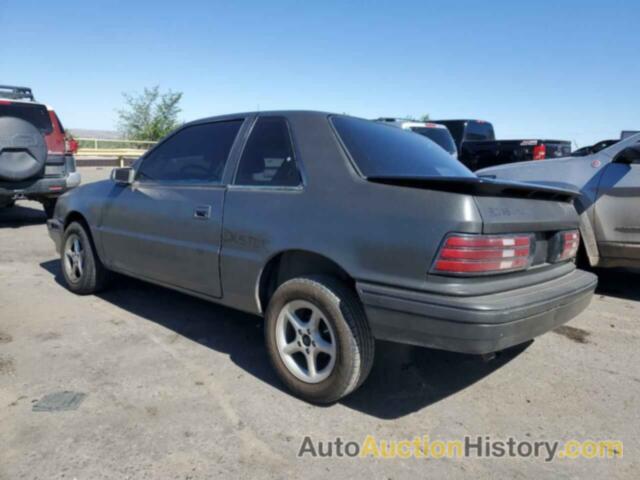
478	147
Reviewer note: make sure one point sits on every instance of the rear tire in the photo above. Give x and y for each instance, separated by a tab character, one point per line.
83	271
331	319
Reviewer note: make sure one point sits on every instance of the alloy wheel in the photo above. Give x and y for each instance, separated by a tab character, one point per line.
74	258
306	341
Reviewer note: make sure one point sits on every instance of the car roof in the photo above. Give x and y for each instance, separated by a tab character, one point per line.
8	101
264	113
403	122
460	120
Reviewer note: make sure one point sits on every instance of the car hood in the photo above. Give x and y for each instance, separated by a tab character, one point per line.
567	172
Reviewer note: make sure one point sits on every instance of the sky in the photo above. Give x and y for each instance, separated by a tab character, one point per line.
566	70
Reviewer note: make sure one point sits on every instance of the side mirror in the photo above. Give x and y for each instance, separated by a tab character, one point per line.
629	155
123	176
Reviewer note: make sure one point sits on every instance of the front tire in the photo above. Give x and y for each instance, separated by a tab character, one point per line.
83	271
318	338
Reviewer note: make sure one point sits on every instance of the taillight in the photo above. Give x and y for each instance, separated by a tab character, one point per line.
567	244
468	254
70	146
539	152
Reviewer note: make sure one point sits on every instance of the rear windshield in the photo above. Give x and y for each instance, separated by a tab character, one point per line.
439	135
478	131
35	114
384	151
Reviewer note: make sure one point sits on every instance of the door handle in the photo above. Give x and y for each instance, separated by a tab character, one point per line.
202	212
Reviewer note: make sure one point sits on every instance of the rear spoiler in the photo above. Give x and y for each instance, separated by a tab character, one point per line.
481	186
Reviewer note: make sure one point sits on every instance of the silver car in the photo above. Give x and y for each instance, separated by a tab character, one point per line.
609	183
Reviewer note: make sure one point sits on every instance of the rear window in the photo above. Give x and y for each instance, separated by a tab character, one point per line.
478	131
35	114
439	135
383	151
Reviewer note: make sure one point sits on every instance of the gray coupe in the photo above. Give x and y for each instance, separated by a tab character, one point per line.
609	200
338	231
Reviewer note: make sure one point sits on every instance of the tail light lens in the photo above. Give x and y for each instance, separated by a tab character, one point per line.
465	254
539	152
567	244
71	145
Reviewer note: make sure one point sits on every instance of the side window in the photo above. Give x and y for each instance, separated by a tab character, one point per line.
196	153
268	158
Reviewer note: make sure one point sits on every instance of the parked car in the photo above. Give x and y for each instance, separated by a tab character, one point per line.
35	162
478	147
433	131
339	231
595	148
609	184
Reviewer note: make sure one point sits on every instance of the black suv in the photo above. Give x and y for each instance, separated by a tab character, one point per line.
35	161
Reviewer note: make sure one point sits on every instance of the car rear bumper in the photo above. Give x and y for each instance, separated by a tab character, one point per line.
56	229
42	187
475	324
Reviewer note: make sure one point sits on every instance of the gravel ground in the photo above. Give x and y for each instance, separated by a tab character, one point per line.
175	387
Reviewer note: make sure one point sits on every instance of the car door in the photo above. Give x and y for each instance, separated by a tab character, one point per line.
166	226
617	211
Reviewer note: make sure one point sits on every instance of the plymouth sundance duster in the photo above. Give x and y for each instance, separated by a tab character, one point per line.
338	231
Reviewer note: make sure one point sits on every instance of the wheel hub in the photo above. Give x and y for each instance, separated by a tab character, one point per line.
306	341
74	258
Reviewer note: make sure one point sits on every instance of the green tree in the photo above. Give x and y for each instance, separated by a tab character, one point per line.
422	118
149	115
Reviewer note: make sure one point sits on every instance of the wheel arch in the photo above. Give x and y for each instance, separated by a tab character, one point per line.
76	216
291	263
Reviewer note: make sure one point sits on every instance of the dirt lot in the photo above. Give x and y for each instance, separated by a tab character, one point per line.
179	388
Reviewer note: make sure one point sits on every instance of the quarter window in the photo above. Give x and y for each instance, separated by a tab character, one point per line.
268	158
195	153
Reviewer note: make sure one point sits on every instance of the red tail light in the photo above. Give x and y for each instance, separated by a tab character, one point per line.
71	145
568	243
464	254
539	152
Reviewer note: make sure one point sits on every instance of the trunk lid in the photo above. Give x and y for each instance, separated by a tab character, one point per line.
509	207
514	215
505	206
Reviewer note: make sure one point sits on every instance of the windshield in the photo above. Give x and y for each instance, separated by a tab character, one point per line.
384	151
35	114
439	135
